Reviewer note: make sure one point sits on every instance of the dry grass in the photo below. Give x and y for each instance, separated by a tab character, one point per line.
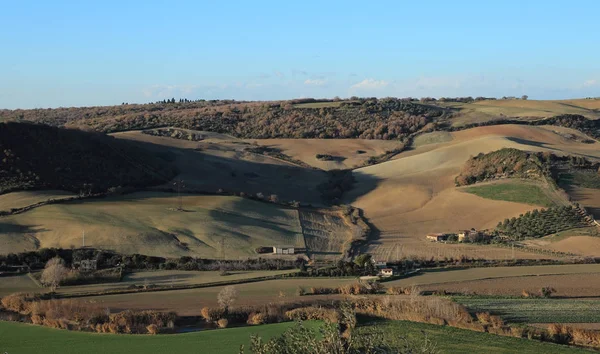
145	223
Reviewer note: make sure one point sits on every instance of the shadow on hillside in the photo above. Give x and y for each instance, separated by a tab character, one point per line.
543	145
8	228
203	171
528	142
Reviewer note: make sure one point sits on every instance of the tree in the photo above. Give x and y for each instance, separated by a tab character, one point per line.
331	339
227	297
524	97
54	272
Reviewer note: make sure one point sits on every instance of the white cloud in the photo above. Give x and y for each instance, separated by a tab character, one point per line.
590	83
315	82
370	84
279	74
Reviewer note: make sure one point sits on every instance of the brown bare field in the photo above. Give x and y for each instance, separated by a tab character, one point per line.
170	278
414	194
530	109
494	274
580	245
571	285
190	302
348	153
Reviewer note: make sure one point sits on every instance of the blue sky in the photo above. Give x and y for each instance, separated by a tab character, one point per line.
80	53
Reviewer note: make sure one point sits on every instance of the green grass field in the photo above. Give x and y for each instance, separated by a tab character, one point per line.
537	310
513	192
18	338
451	340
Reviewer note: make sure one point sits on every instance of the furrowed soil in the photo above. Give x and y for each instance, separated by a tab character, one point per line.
190	302
503	276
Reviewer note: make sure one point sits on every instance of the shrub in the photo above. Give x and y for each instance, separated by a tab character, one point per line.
37	319
152	329
547	292
257	318
211	314
300	291
483	317
18	302
312	313
222	323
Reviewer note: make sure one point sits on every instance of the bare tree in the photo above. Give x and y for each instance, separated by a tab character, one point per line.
227	297
54	272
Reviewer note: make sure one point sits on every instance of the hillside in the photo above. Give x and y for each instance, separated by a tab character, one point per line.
148	223
415	193
42	157
368	118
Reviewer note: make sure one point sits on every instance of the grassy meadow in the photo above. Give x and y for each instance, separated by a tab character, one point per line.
451	340
514	191
19	338
536	310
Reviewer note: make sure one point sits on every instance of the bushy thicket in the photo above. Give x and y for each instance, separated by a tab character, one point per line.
105	259
175	134
34	156
514	163
538	223
505	162
388	118
82	315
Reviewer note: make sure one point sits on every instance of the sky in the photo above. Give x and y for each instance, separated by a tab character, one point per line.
89	53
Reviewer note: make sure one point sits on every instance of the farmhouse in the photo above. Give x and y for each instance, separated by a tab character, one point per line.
283	249
469	235
86	265
386	272
437	237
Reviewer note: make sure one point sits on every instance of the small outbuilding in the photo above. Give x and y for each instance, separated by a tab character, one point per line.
437	237
283	249
386	272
